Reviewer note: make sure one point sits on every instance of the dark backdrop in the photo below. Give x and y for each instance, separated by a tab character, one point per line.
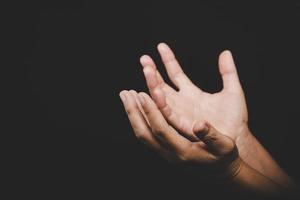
73	58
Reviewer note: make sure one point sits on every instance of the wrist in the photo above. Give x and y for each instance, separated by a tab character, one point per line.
244	134
233	169
243	141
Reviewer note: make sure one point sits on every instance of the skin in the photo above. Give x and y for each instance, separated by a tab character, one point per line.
226	110
220	152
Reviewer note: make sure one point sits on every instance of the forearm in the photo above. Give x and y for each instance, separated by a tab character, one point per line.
250	181
255	155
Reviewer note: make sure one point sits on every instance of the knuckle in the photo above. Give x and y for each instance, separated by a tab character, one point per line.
139	134
128	111
159	134
141	137
196	146
139	131
183	157
147	111
159	130
211	137
192	137
131	111
178	74
170	61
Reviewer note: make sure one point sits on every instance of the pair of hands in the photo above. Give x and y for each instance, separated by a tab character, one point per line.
208	124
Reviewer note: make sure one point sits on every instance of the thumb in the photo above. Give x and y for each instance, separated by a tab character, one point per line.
228	72
215	141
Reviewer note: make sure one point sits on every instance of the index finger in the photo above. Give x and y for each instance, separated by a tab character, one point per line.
161	129
173	68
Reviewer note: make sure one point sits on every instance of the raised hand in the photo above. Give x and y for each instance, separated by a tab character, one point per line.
219	155
225	110
150	127
185	107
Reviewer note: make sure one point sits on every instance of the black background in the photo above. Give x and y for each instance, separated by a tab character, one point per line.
72	58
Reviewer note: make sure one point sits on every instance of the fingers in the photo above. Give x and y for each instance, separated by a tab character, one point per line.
159	98
173	68
137	101
161	128
151	78
146	60
215	141
228	72
140	127
156	92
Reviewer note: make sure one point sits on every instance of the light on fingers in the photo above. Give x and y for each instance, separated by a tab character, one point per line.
160	127
228	72
150	78
172	66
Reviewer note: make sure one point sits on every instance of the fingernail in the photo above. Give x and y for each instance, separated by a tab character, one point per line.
123	97
162	46
228	53
142	99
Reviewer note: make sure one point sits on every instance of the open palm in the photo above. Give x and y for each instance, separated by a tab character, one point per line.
225	110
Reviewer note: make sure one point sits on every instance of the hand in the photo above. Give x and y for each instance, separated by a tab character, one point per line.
150	127
219	155
225	110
